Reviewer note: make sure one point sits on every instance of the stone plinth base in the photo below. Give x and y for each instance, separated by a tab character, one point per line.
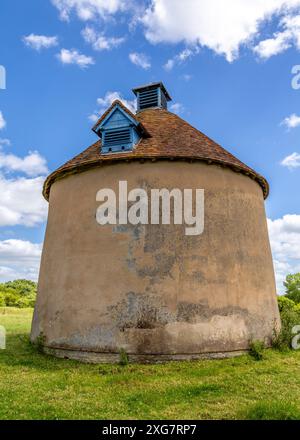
114	358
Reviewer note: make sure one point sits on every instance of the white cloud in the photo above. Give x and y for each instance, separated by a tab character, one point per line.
21	201
281	41
186	77
292	161
177	108
99	41
180	58
220	25
94	117
285	243
140	60
74	57
2	121
107	100
19	259
38	42
291	121
89	9
110	97
273	46
33	164
5	142
169	64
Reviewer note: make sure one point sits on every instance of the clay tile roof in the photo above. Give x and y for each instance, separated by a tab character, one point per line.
170	137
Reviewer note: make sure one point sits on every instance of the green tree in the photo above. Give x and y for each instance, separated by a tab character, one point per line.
292	287
18	293
2	300
285	304
290	316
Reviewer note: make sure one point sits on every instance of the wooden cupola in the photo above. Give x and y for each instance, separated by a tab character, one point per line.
153	95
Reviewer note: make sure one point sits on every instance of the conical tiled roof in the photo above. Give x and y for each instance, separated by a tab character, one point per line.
167	137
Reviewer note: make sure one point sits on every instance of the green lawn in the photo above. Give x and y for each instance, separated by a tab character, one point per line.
35	386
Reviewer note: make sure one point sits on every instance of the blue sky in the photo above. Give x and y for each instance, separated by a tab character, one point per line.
227	67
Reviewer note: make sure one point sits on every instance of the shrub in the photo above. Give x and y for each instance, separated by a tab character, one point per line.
123	357
257	349
290	316
2	300
39	343
285	304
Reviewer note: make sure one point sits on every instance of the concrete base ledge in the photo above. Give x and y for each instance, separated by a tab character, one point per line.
114	358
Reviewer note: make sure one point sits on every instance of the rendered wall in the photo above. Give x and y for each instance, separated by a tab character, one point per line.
152	290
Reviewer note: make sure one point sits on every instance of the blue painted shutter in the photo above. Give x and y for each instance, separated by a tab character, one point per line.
148	98
117	140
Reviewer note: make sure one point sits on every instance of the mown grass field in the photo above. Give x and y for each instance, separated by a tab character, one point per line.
35	386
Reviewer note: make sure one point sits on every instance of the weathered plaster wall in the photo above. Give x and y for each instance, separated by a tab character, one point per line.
151	289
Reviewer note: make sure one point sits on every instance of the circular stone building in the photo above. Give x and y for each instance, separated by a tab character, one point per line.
153	290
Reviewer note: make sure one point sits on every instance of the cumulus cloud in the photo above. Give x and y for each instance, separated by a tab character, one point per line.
291	121
93	117
218	25
273	46
223	27
180	57
140	60
4	142
292	161
21	201
99	41
38	42
19	259
2	121
177	108
110	97
281	41
33	164
74	57
107	100
285	243
89	9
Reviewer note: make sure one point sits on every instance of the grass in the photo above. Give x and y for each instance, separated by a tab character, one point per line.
36	386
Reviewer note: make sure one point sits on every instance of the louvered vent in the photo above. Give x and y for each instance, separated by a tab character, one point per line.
117	140
148	98
117	137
